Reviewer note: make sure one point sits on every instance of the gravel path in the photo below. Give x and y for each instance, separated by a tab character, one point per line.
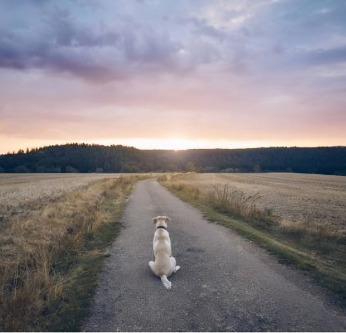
225	283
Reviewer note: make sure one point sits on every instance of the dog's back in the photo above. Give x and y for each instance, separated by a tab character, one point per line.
164	264
162	243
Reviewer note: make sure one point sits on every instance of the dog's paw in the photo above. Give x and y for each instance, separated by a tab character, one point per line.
176	269
166	283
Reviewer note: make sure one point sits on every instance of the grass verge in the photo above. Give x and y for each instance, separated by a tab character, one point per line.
314	249
52	254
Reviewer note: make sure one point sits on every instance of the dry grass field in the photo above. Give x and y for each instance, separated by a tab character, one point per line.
294	198
301	218
19	190
54	230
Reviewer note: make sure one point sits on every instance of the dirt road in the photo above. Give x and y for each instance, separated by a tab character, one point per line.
225	283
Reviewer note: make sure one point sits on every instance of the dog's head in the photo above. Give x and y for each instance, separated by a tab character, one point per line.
161	221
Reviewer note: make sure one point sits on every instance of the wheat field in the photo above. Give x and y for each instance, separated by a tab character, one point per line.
52	228
19	190
294	198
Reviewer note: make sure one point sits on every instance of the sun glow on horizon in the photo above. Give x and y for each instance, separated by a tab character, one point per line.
165	143
177	144
184	144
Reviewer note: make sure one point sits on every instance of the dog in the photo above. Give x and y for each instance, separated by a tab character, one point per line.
164	264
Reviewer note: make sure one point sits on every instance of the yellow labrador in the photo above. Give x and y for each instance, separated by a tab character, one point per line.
164	264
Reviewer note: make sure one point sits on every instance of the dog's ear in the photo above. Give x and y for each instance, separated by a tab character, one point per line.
155	219
167	219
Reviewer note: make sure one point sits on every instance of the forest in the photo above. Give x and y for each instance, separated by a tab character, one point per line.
86	158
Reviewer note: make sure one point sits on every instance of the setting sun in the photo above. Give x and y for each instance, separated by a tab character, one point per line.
169	144
175	144
180	143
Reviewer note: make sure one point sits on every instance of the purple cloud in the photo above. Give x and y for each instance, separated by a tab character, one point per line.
95	52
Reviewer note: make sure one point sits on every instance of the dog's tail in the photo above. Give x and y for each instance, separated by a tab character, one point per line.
165	282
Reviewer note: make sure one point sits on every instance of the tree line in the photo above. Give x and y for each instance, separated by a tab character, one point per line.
121	159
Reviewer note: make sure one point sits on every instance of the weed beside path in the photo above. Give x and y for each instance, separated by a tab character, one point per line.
51	255
314	248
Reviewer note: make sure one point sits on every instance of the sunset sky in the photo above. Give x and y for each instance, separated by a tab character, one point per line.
173	74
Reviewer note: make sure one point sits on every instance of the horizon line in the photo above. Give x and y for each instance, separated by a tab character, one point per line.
166	149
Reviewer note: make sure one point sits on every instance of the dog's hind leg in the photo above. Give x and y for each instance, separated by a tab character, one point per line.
153	267
174	266
165	282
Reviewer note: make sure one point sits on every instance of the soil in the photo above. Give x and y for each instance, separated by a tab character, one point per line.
316	199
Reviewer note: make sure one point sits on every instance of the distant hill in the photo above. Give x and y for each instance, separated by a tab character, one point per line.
97	158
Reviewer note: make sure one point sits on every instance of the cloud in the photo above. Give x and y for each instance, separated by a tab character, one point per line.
125	40
98	51
60	39
201	27
325	57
